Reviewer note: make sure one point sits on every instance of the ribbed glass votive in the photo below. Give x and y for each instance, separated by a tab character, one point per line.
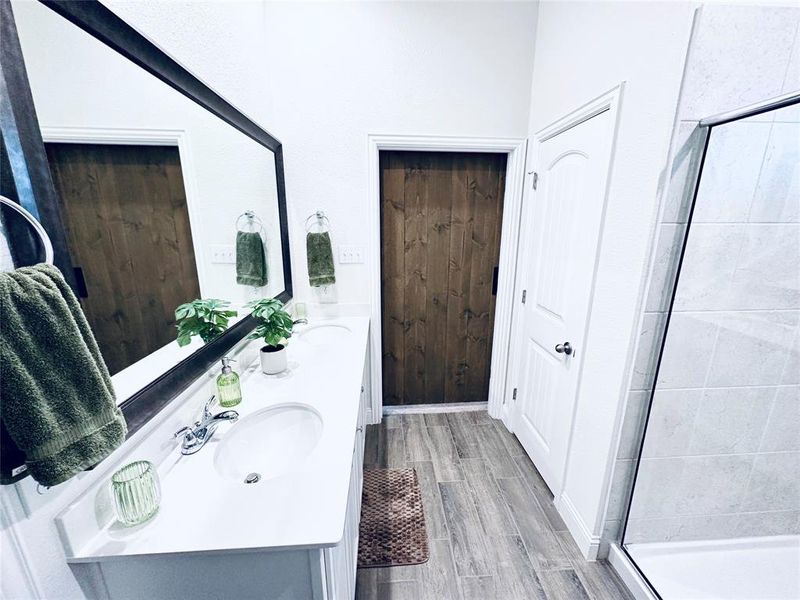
137	492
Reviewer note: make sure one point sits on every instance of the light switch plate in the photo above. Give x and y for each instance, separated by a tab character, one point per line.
223	254
350	255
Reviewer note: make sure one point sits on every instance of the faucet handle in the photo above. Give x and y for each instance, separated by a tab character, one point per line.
207	408
186	432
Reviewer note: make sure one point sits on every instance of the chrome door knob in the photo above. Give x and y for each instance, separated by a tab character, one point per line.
565	348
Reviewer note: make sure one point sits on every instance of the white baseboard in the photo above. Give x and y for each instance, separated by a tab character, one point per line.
630	576
588	543
435	408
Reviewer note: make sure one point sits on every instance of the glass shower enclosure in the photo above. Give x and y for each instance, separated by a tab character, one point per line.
715	507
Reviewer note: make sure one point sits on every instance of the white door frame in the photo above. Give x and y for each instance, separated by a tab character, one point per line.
515	149
146	137
608	101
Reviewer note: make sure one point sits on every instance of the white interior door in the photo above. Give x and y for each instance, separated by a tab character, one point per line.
558	250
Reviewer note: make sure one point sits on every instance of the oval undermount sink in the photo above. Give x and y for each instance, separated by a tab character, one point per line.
324	335
269	443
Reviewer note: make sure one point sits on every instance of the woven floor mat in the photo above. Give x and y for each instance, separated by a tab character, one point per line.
392	530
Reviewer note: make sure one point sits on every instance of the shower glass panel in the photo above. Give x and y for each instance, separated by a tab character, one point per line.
715	508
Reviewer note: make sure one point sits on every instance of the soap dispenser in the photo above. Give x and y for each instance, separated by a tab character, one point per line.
229	391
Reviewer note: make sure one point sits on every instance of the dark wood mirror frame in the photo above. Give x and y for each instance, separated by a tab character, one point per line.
19	117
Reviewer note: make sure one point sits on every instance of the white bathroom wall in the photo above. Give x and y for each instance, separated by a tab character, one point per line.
584	49
721	453
346	70
334	72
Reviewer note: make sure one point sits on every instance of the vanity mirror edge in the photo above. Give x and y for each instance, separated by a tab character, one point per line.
103	24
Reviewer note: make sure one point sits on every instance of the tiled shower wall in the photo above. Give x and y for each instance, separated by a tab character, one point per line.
722	456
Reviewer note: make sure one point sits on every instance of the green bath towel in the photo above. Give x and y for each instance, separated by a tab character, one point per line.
320	259
251	262
58	403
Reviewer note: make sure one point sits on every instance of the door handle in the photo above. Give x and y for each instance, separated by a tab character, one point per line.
565	348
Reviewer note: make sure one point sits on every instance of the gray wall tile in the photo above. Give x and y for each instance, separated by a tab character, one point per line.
730	173
731	420
783	426
724	72
713	485
775	483
777	196
672	422
686	356
752	347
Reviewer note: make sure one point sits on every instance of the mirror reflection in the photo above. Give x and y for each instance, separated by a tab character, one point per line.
165	207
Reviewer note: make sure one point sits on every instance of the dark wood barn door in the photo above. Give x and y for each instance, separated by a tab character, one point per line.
129	236
441	215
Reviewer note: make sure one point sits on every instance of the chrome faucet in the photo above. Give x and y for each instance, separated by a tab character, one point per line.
196	436
300	322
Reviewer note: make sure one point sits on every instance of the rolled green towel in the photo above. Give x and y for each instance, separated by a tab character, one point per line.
320	259
251	262
58	403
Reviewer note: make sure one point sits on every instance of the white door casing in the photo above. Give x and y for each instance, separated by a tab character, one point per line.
560	240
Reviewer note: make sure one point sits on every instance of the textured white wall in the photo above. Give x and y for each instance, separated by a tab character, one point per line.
326	75
582	50
386	68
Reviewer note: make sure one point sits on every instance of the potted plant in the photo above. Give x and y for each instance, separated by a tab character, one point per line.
207	318
274	327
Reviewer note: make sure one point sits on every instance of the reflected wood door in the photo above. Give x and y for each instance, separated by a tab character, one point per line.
441	215
128	229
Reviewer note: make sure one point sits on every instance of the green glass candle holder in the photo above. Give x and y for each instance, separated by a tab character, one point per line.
137	492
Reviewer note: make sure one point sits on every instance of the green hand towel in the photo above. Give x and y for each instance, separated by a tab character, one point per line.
320	259
251	262
58	403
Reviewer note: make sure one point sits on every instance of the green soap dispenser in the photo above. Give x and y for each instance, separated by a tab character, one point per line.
229	391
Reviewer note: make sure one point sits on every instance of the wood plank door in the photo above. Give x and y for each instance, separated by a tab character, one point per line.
128	228
558	250
441	216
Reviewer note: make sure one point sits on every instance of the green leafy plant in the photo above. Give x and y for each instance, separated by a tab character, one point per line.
207	318
274	323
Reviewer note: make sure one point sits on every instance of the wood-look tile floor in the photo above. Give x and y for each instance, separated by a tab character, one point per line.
492	528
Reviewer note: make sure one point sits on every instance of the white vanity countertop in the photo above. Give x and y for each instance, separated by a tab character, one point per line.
203	511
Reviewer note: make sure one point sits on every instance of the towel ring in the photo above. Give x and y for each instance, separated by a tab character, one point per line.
37	227
252	220
322	222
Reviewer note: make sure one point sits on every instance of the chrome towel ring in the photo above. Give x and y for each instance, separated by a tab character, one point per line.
37	227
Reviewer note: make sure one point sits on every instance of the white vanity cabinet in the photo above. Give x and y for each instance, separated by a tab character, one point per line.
340	561
293	538
308	574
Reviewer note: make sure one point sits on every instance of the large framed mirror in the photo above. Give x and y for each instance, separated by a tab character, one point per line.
154	190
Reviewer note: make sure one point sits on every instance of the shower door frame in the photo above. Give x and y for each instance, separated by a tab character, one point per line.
635	578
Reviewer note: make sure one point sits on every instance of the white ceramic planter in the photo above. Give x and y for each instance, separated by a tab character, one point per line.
273	362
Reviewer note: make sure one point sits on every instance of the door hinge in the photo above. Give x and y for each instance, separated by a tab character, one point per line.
535	180
514	394
524	295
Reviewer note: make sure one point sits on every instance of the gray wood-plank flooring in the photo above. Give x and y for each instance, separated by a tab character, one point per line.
492	528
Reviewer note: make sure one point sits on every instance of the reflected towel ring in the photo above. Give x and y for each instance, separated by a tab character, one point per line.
37	227
252	220
321	221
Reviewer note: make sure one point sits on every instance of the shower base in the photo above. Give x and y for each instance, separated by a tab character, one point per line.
764	568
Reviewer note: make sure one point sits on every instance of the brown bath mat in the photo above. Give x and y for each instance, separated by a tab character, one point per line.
392	530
